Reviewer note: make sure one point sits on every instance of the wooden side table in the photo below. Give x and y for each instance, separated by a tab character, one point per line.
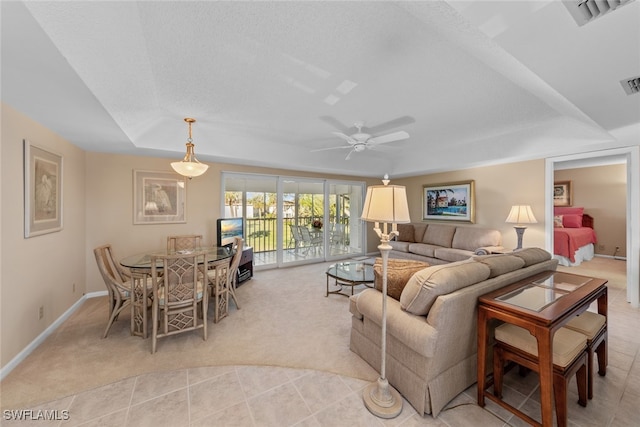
542	304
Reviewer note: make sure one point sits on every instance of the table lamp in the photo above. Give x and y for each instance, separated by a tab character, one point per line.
521	214
386	204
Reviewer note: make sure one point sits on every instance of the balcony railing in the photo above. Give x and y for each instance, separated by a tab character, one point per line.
260	233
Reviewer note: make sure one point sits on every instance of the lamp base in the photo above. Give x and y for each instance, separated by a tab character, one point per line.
382	400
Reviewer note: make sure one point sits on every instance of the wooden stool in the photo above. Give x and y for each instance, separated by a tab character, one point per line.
594	327
516	344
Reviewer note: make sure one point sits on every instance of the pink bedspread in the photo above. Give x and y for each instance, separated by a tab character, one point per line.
566	241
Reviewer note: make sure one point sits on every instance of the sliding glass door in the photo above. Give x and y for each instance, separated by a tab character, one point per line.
345	236
290	220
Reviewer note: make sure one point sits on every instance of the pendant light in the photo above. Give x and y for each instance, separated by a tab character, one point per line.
189	166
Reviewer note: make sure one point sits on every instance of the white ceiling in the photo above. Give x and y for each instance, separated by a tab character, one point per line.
473	83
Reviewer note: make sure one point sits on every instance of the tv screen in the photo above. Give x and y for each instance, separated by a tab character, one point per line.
228	229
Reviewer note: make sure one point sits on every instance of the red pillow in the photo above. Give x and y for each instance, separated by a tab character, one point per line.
562	210
572	221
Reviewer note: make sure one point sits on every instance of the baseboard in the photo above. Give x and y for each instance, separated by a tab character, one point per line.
619	258
44	334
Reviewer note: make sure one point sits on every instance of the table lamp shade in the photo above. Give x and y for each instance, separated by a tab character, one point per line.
386	203
521	214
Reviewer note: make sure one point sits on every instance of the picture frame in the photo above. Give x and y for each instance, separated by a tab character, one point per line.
450	201
43	175
562	193
159	197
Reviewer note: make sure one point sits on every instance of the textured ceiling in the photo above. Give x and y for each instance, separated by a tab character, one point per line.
473	83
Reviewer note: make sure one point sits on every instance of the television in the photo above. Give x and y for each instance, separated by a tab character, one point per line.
227	229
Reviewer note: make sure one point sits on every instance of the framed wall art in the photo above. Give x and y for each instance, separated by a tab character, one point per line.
562	193
453	201
159	197
42	191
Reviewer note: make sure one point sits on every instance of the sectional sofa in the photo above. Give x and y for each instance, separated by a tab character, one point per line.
431	329
443	243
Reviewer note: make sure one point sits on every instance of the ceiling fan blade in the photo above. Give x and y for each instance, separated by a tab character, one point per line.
335	123
390	137
347	138
349	155
391	124
330	148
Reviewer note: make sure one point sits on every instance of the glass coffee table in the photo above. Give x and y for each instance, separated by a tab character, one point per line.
349	273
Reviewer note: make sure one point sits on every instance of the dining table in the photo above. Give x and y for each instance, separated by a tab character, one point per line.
140	267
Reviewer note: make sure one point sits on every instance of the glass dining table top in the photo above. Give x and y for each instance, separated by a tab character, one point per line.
143	260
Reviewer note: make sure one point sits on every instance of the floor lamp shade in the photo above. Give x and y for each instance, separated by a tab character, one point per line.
384	204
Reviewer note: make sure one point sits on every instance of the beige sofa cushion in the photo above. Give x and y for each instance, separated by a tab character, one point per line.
439	234
472	238
419	230
399	271
426	285
500	264
452	255
532	255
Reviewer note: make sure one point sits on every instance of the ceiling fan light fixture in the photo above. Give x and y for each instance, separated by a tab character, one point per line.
190	166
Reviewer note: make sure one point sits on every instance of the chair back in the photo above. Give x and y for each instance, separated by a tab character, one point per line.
111	273
238	244
295	231
187	242
179	287
181	277
116	280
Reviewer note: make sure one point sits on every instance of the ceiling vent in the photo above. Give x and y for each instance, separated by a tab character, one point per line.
585	11
631	85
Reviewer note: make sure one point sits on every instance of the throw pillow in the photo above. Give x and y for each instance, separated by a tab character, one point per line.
406	233
557	221
399	271
572	221
426	285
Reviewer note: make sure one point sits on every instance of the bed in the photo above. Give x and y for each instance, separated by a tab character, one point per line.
573	236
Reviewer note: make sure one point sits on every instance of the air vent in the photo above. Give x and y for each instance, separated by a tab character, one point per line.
585	11
631	85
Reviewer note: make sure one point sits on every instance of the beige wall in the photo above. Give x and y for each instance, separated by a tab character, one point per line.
39	271
602	191
497	188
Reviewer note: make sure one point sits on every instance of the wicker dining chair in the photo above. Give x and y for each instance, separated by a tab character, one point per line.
180	297
117	281
218	278
187	242
238	244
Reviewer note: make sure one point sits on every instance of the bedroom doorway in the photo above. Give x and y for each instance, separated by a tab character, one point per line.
631	157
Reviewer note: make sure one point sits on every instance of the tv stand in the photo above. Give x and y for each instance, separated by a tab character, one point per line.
245	268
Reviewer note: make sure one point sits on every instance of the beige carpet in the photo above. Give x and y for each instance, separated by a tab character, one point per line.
285	320
614	270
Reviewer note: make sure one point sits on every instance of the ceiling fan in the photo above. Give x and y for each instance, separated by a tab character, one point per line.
360	141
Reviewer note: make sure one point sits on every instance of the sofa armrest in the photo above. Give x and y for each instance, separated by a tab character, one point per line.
488	250
353	307
412	330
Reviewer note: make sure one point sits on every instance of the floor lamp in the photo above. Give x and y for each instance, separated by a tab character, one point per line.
386	204
521	214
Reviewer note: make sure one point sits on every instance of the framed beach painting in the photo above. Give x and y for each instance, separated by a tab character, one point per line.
42	191
159	197
452	201
562	193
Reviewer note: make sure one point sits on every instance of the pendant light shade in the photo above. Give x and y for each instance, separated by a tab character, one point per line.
189	166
